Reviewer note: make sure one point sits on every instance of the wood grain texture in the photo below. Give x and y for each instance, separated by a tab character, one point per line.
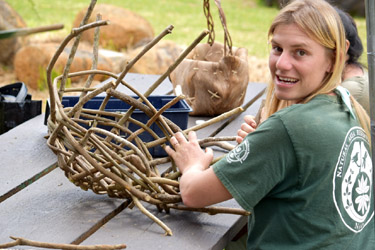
45	206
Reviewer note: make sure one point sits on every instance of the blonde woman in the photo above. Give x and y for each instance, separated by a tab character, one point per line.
354	77
305	173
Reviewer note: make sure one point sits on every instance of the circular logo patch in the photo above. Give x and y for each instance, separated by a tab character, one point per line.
352	181
239	153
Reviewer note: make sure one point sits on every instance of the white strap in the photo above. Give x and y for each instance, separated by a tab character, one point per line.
345	96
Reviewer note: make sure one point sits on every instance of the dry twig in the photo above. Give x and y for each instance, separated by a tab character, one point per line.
25	242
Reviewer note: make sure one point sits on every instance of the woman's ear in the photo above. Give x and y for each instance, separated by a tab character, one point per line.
331	65
347	45
342	56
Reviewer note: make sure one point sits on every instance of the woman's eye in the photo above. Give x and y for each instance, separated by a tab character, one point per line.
277	49
301	53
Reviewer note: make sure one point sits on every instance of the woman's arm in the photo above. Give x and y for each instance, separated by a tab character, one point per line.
199	185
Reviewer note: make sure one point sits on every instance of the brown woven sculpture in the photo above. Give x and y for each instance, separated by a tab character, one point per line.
214	76
104	160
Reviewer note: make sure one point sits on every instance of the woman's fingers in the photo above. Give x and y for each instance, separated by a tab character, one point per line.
250	120
239	139
174	142
188	153
180	137
169	151
242	133
247	127
192	136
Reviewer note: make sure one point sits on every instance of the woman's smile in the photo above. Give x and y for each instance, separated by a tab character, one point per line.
282	80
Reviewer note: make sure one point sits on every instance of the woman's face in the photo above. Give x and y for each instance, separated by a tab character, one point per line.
297	63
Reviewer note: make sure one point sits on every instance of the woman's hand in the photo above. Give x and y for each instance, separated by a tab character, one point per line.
187	153
247	127
199	185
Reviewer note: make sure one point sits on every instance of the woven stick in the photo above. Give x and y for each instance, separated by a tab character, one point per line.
75	46
53	61
211	210
167	230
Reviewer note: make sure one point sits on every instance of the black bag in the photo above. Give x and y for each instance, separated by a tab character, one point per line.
16	106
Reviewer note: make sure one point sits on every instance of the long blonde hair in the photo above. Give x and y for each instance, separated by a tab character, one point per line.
321	23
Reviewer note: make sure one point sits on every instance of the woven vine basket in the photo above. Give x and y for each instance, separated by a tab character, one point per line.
96	148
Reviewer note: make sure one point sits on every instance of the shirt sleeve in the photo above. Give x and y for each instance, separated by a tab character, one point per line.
256	167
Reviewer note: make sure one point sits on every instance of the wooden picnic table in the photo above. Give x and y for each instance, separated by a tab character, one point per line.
38	202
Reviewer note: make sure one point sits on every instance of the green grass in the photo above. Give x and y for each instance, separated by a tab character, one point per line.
248	20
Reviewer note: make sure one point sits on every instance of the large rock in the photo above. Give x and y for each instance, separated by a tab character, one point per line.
258	70
126	29
157	60
9	19
31	61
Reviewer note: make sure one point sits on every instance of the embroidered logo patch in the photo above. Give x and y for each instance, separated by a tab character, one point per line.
352	181
239	153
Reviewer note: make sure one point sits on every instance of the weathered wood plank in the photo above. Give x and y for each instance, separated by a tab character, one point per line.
54	210
24	154
191	230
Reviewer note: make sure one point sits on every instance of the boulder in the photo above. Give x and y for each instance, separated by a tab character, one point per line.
126	29
258	70
9	19
31	61
157	60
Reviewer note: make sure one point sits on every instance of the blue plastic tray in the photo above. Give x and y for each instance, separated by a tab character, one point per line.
178	114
